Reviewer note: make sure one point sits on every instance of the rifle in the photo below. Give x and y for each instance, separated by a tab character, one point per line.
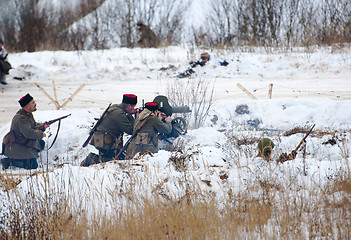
30	143
41	126
285	157
125	146
92	131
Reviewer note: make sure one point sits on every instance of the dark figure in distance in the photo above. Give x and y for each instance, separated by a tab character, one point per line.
148	38
5	66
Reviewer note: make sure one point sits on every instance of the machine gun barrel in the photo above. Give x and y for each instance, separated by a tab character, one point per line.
182	109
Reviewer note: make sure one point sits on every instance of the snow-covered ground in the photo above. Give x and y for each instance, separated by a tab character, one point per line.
308	88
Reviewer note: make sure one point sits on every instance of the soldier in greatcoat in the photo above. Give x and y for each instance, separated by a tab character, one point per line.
148	38
22	144
5	66
156	122
108	137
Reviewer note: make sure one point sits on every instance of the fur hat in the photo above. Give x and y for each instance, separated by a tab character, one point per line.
25	100
205	55
130	99
152	106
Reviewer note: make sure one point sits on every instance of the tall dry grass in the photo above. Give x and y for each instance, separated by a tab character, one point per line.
267	203
265	209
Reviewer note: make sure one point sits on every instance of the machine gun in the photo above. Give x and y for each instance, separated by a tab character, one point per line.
179	124
291	156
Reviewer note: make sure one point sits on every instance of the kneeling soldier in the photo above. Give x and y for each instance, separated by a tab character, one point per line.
156	121
108	137
22	144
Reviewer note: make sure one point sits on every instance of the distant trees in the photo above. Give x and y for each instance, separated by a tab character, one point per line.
279	22
121	16
100	24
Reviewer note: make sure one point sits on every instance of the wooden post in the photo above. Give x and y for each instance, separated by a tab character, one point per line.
73	95
270	91
54	86
52	100
246	91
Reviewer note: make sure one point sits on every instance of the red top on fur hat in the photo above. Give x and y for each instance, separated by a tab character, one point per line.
130	99
152	106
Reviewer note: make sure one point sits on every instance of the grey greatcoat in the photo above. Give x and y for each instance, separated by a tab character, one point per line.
23	126
109	134
147	138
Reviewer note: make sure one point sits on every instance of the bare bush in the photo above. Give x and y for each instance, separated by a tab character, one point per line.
195	93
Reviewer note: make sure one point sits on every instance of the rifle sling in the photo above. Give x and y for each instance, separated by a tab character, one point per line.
133	136
58	129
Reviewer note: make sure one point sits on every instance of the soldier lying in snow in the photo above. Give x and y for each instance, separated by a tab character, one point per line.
204	58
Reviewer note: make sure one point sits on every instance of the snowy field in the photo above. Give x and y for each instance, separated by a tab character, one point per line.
308	88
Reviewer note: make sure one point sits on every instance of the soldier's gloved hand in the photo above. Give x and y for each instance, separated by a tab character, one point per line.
168	119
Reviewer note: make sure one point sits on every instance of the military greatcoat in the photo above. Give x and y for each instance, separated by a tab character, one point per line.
23	126
109	134
147	138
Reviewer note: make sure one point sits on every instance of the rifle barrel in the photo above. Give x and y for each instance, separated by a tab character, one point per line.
304	138
41	126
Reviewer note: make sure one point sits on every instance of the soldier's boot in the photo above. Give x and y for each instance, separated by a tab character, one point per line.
3	79
91	159
31	164
5	162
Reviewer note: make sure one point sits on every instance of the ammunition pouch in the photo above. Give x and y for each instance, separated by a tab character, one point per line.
7	139
28	143
142	138
11	138
105	141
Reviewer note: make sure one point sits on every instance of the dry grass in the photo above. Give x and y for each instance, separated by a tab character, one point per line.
265	209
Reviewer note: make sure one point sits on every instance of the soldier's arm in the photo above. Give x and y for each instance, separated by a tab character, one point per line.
3	54
27	131
163	127
125	123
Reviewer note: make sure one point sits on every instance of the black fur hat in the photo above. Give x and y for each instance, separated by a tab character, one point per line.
130	99
152	106
25	100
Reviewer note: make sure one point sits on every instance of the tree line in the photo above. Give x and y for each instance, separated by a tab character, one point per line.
102	24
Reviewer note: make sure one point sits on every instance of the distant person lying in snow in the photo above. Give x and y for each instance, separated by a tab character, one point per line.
204	58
